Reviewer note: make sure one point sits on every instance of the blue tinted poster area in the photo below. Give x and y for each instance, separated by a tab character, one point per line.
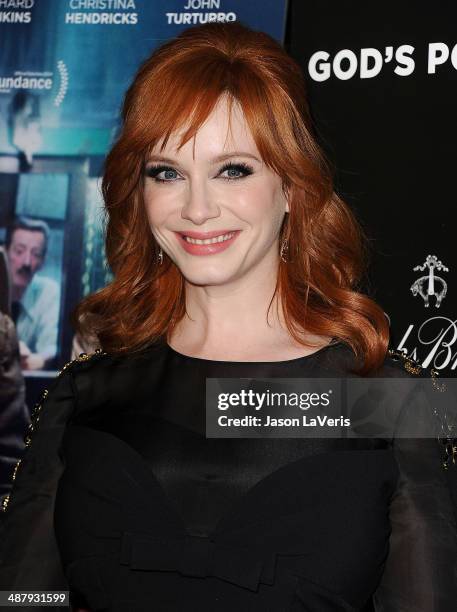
78	57
64	69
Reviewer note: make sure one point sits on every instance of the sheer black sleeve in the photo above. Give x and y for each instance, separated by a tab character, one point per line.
421	569
29	558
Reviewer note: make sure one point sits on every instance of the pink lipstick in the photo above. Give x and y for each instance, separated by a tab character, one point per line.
207	243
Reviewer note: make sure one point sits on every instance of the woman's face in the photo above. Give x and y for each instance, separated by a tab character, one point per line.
226	191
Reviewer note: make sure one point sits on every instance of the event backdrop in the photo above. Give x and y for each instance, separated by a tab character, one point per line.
381	83
64	68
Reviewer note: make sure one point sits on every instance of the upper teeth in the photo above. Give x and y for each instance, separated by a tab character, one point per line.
209	240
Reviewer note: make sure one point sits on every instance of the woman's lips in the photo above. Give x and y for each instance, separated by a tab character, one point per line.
207	249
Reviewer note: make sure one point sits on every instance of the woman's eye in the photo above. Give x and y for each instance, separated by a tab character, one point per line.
236	171
168	174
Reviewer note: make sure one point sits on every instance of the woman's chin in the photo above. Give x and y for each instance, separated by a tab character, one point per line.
209	275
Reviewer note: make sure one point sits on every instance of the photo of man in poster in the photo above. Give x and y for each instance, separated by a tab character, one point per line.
35	297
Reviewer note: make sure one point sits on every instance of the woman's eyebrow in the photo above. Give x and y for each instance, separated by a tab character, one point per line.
215	160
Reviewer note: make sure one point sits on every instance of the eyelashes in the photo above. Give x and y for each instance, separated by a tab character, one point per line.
245	169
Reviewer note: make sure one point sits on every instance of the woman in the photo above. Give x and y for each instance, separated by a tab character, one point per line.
232	257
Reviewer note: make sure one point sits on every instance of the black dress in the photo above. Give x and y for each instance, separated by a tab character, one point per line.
123	500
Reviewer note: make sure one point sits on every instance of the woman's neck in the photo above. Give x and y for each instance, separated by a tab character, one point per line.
230	322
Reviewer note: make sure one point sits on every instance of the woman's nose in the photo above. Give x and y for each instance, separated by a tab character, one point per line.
200	205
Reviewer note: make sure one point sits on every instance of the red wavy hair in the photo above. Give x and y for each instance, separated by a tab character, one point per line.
178	86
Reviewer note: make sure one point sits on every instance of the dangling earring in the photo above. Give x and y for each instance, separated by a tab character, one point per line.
160	256
284	249
285	241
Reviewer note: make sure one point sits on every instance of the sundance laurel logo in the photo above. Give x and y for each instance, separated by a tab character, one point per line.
63	87
35	81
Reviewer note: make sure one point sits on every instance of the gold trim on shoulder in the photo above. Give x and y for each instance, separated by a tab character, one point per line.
414	367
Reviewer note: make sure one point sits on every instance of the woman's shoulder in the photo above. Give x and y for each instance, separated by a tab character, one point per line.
339	359
428	414
98	361
101	378
397	364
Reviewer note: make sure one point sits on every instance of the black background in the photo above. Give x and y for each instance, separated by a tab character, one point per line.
391	140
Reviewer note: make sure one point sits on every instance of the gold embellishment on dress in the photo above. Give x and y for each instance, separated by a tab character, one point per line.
414	367
446	438
35	416
438	386
411	368
450	451
410	364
